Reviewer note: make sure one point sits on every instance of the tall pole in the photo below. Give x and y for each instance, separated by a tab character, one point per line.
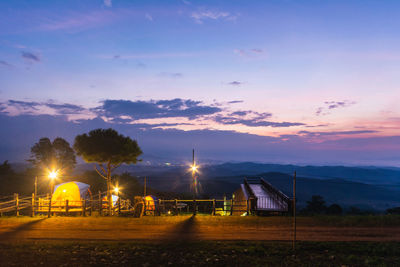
193	176
194	184
35	186
119	204
34	197
51	196
294	210
144	189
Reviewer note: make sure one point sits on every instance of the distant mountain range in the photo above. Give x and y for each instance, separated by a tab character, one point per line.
364	187
369	175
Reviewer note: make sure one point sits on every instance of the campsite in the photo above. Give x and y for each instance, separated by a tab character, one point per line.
252	225
118	218
199	133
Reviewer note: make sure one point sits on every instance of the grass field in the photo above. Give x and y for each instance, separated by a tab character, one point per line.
199	241
205	253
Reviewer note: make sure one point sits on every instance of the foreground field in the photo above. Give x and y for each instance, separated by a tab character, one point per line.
188	228
204	253
199	241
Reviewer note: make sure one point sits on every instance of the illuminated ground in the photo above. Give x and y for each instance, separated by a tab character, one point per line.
199	241
198	228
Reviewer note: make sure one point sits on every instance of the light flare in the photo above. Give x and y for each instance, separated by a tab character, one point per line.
116	190
53	175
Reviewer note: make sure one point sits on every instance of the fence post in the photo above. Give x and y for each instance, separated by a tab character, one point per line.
176	207
36	203
100	204
16	204
67	207
33	205
49	214
194	207
213	208
231	206
119	206
83	208
91	205
247	207
224	204
159	207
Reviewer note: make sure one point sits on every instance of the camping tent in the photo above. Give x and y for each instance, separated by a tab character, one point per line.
114	199
151	202
74	192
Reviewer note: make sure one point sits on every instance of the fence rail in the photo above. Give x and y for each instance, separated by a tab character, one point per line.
42	205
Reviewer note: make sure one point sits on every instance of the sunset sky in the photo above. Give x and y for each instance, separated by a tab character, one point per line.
309	82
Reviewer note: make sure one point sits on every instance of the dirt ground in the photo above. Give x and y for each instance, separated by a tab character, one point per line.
199	253
183	228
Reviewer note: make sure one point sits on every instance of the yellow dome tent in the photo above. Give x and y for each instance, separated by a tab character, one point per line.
74	192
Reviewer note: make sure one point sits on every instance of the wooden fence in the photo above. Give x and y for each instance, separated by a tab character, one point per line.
42	205
194	206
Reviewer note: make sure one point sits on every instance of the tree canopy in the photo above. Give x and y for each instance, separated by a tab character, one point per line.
316	205
57	154
5	168
107	146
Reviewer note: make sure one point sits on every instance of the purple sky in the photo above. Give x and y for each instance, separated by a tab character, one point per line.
311	82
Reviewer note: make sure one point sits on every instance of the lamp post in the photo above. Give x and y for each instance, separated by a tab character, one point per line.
194	168
116	190
52	177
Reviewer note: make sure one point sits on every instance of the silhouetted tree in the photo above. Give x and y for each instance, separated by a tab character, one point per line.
395	210
57	155
5	168
334	209
316	205
107	149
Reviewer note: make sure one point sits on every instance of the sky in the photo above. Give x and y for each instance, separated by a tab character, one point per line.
306	82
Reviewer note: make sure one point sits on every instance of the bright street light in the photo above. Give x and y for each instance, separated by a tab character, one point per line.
116	190
194	168
53	175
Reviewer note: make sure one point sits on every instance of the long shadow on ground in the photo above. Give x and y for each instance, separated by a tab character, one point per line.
12	234
184	231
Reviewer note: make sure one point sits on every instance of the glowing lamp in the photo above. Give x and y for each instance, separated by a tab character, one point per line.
194	168
116	190
53	175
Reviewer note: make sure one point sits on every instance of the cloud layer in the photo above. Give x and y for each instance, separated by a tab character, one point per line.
330	105
155	109
202	15
30	57
175	144
252	119
181	114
